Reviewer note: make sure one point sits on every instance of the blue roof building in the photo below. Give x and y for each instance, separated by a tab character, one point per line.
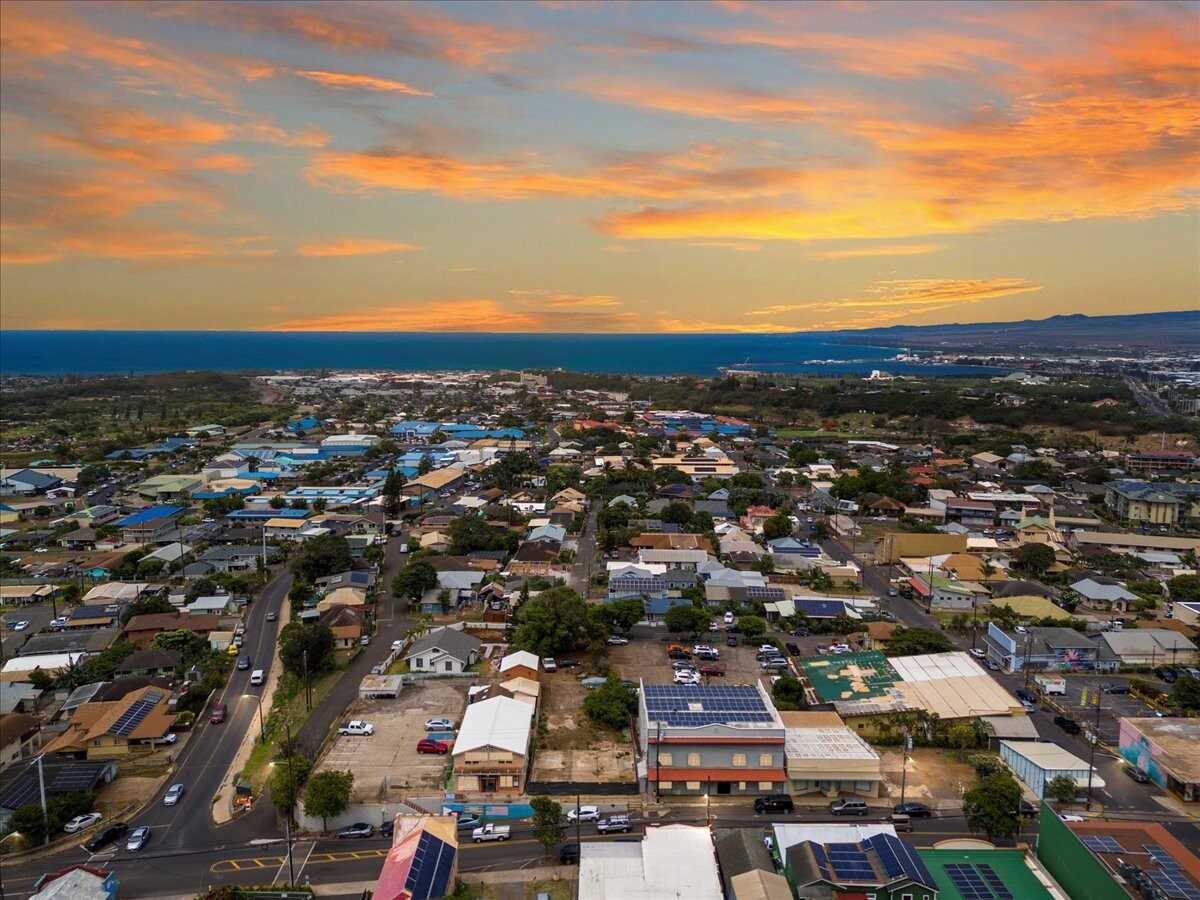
150	514
266	512
306	424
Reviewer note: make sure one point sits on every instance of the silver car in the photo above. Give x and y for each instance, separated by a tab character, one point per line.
173	795
138	838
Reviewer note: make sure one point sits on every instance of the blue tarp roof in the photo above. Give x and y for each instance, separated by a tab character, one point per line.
148	515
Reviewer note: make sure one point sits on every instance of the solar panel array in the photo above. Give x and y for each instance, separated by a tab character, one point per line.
429	875
850	863
694	706
898	858
754	592
1175	885
132	717
1102	844
978	882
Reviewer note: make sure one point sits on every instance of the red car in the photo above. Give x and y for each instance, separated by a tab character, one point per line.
428	745
712	669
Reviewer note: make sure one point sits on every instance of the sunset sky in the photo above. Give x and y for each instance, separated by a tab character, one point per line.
577	166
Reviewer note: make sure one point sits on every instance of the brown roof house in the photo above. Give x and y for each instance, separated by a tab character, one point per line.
20	735
142	629
150	661
111	729
346	624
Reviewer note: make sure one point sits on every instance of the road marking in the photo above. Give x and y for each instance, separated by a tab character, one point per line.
264	862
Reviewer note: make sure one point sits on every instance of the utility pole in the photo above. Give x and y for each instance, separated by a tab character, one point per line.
974	619
578	824
905	747
1094	738
307	693
291	801
42	795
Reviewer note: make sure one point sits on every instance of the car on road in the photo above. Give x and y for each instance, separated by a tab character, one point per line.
243	663
913	810
1114	687
138	838
774	803
1067	724
978	653
388	828
468	822
81	822
617	640
22	625
357	830
1138	775
357	727
848	806
568	663
569	855
272	616
583	814
1066	817
1026	696
793	649
616	822
439	724
218	714
892	592
105	836
429	745
173	795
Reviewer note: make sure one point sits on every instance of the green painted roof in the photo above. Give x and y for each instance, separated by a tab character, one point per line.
849	676
1009	866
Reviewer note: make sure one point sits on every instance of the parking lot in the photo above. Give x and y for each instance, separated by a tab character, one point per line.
1113	707
646	658
386	764
38	615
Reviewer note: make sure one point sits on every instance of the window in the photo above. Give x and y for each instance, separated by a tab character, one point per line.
664	785
741	785
693	785
421	664
449	665
862	787
766	786
693	759
766	759
666	759
739	759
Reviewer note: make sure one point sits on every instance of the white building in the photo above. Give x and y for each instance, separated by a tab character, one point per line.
1037	763
670	861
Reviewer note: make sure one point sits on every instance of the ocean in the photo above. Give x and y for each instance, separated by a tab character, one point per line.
142	352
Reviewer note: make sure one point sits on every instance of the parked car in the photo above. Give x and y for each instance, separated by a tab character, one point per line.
1137	775
439	725
357	727
105	836
775	662
1117	687
388	828
732	629
428	745
1070	818
712	669
1028	810
568	663
793	649
569	855
913	810
849	806
800	632
22	625
491	832
548	664
81	822
583	814
728	618
468	821
173	795
357	830
138	838
218	713
617	822
978	653
169	738
1026	696
1067	724
1167	674
686	677
731	641
774	803
617	640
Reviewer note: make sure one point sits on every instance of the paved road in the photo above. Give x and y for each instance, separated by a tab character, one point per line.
1146	398
581	572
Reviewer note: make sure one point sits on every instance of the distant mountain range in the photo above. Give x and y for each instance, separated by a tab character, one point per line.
1179	331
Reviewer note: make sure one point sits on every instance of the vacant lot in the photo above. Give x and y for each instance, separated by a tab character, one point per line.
571	747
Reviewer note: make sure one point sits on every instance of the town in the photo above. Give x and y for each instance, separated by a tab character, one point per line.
540	634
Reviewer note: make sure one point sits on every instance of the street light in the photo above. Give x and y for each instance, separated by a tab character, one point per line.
262	723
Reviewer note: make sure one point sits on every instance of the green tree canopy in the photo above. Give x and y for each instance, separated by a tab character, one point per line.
778	526
1061	788
620	614
414	580
788	693
1185	588
1186	693
328	794
201	587
752	627
993	806
611	704
916	641
683	618
191	647
287	778
470	533
1035	558
327	554
156	603
296	639
548	826
551	623
390	493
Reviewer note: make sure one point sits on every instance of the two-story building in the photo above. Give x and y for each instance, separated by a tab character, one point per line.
711	739
150	525
492	747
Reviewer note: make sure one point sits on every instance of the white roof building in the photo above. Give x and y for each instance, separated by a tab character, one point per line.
952	685
499	722
519	658
670	861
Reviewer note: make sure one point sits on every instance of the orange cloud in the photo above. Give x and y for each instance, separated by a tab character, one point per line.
355	247
909	292
883	250
698	326
556	300
731	104
477	315
338	81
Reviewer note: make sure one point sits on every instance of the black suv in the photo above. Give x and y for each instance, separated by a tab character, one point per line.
569	855
1027	696
105	836
1114	687
774	803
1067	724
1167	674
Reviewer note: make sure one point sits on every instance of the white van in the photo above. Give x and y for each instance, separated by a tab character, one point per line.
257	677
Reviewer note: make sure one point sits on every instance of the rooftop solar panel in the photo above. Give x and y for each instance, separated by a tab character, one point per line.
1175	885
1103	844
1164	859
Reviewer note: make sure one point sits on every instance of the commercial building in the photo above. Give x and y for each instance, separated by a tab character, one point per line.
1167	504
669	861
1168	750
1146	647
975	874
825	757
1109	542
492	747
711	739
1041	649
1161	461
710	465
1038	762
422	863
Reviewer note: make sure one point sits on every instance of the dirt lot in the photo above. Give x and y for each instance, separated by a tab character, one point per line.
572	748
386	764
933	775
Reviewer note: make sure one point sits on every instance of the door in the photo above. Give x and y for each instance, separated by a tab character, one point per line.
487	783
723	787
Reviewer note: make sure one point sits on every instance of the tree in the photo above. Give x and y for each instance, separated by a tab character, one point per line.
779	525
297	639
425	466
60	809
1186	693
286	780
470	533
1061	788
993	806
201	587
621	614
985	765
686	619
916	641
150	568
962	736
676	513
611	704
788	693
328	794
554	621
1185	588
414	580
156	603
1034	558
327	554
547	822
190	646
753	627
277	502
391	493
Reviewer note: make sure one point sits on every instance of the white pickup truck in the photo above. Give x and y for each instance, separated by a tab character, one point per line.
357	727
490	832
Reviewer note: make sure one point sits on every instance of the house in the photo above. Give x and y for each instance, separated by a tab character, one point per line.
142	629
852	861
360	579
346	623
345	597
623	499
21	594
519	664
1105	593
78	882
20	736
27	482
422	863
150	661
83	538
443	650
150	525
169	488
236	559
218	605
707	739
741	851
668	861
110	729
492	746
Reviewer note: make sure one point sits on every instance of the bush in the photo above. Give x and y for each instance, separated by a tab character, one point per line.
985	765
611	704
184	720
